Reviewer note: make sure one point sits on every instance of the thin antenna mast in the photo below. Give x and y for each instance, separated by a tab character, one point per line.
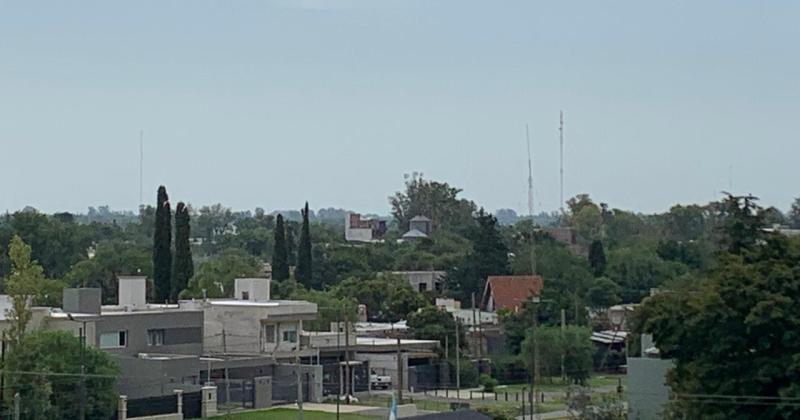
561	159
535	376
141	166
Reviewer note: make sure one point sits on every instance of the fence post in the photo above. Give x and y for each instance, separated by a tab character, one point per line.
122	408
16	406
179	396
483	395
470	395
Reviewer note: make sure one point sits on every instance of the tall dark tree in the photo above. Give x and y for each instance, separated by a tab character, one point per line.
183	268
291	251
280	263
488	257
162	247
597	258
303	270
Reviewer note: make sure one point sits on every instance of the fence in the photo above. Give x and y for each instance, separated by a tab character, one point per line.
167	404
238	392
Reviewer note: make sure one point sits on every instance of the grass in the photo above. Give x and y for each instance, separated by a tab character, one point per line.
556	385
287	413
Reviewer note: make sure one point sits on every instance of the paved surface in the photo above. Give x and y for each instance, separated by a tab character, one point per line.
329	408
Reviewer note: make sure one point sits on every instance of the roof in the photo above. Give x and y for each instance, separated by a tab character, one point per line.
453	415
420	219
511	292
414	233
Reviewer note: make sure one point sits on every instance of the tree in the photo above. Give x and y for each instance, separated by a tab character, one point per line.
734	333
215	277
573	343
112	259
291	248
794	214
387	298
23	285
488	257
303	271
436	200
183	268
162	247
597	258
432	323
280	263
45	397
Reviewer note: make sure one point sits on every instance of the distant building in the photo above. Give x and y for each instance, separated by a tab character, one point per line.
648	393
420	223
357	229
419	227
510	292
422	281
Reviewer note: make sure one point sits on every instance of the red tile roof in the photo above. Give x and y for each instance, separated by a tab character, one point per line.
510	292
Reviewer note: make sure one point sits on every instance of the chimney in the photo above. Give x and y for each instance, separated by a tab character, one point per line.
132	292
251	289
81	301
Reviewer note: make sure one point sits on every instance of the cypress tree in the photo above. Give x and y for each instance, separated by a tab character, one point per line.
291	255
303	271
597	258
162	247
183	268
280	265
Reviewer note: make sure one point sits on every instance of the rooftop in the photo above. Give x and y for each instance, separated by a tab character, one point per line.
511	292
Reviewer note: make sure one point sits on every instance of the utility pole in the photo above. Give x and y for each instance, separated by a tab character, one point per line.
474	323
299	381
563	350
399	372
458	363
141	166
82	409
347	356
339	358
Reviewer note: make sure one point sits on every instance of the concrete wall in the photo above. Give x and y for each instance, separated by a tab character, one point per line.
239	329
284	382
386	364
647	390
183	331
143	378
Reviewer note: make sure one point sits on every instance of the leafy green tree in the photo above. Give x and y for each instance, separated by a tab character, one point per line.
112	259
603	294
216	275
432	323
387	298
597	258
735	333
162	247
636	271
573	343
794	214
45	397
303	272
22	285
280	264
183	268
488	257
436	200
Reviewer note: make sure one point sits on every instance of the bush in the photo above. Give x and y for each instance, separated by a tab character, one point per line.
488	383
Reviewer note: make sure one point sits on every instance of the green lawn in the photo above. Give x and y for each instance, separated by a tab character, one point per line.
289	414
555	384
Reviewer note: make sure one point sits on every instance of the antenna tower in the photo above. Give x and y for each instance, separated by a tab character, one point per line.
141	166
561	159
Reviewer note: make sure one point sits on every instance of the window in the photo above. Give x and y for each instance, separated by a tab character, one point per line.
245	295
290	336
269	334
155	337
423	287
113	340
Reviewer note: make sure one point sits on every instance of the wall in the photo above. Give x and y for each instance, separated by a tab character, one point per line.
144	378
386	364
647	390
176	322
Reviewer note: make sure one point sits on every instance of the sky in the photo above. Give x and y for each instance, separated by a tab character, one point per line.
272	103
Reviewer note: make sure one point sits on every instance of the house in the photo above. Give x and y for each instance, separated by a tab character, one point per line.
483	331
648	392
251	337
157	346
357	229
422	281
510	292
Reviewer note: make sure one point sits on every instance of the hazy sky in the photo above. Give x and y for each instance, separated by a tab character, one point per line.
271	103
